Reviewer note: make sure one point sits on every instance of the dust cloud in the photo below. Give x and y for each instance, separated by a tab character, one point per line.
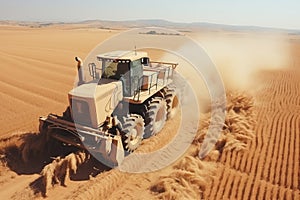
240	56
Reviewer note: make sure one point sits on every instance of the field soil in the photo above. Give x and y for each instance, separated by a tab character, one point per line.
257	156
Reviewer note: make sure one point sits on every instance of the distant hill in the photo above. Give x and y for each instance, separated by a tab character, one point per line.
104	24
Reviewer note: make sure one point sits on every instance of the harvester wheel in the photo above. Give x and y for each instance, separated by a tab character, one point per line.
156	116
172	103
133	131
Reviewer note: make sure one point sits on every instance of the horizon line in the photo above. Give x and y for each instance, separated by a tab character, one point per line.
148	19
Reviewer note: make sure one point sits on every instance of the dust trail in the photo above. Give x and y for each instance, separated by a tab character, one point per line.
59	170
237	130
190	176
240	56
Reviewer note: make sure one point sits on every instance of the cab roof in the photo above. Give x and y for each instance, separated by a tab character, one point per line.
122	55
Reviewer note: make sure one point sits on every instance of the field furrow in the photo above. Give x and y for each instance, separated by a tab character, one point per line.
236	184
282	135
271	166
241	189
270	151
37	69
288	149
21	93
36	89
274	148
237	163
261	191
229	185
221	186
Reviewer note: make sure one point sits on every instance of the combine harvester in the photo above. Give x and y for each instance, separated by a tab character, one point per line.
127	99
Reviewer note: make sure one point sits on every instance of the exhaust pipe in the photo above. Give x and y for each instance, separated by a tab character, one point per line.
80	71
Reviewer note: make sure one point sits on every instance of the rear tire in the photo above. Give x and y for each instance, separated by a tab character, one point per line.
156	116
133	131
172	103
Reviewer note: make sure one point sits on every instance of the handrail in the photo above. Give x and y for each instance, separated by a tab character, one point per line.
174	65
93	70
151	86
137	91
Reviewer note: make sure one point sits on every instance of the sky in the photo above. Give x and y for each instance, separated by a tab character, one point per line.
266	13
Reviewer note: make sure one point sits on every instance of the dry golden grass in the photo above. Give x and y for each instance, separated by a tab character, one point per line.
238	128
188	179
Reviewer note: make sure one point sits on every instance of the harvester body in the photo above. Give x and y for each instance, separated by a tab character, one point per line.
126	99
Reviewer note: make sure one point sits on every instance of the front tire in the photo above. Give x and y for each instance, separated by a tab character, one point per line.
156	116
133	131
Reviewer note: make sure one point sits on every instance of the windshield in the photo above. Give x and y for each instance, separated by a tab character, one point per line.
115	70
110	71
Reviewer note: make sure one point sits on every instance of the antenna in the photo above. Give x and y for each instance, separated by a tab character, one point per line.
135	49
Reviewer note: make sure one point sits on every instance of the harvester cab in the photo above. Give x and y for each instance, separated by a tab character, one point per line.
123	99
